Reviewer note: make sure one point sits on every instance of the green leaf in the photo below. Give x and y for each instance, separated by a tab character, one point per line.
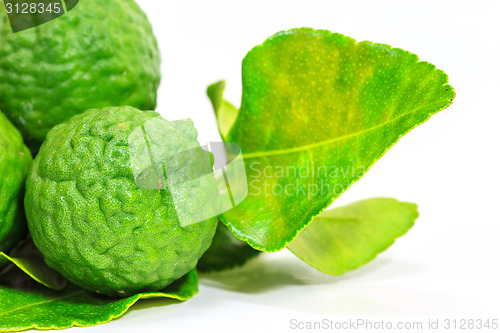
318	110
36	268
225	112
29	260
36	307
225	252
344	238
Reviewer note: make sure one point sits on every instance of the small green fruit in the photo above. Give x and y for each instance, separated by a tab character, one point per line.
15	159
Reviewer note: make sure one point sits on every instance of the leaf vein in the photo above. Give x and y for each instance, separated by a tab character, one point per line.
340	138
43	302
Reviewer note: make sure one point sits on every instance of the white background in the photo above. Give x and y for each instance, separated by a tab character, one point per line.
448	265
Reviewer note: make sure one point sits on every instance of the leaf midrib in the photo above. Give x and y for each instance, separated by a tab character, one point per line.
358	218
326	142
43	302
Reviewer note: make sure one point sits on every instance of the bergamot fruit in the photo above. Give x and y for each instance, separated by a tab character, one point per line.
101	53
100	200
15	159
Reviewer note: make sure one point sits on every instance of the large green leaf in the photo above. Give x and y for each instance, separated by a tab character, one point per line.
32	306
225	252
344	238
318	110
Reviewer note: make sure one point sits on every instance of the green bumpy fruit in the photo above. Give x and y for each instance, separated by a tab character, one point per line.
15	160
101	53
92	221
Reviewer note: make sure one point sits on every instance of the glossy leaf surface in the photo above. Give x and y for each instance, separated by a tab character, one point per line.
344	238
32	306
318	110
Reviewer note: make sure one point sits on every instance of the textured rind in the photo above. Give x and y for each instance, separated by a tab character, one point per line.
15	159
101	53
93	223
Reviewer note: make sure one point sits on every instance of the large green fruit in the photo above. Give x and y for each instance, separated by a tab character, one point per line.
101	53
95	216
15	159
